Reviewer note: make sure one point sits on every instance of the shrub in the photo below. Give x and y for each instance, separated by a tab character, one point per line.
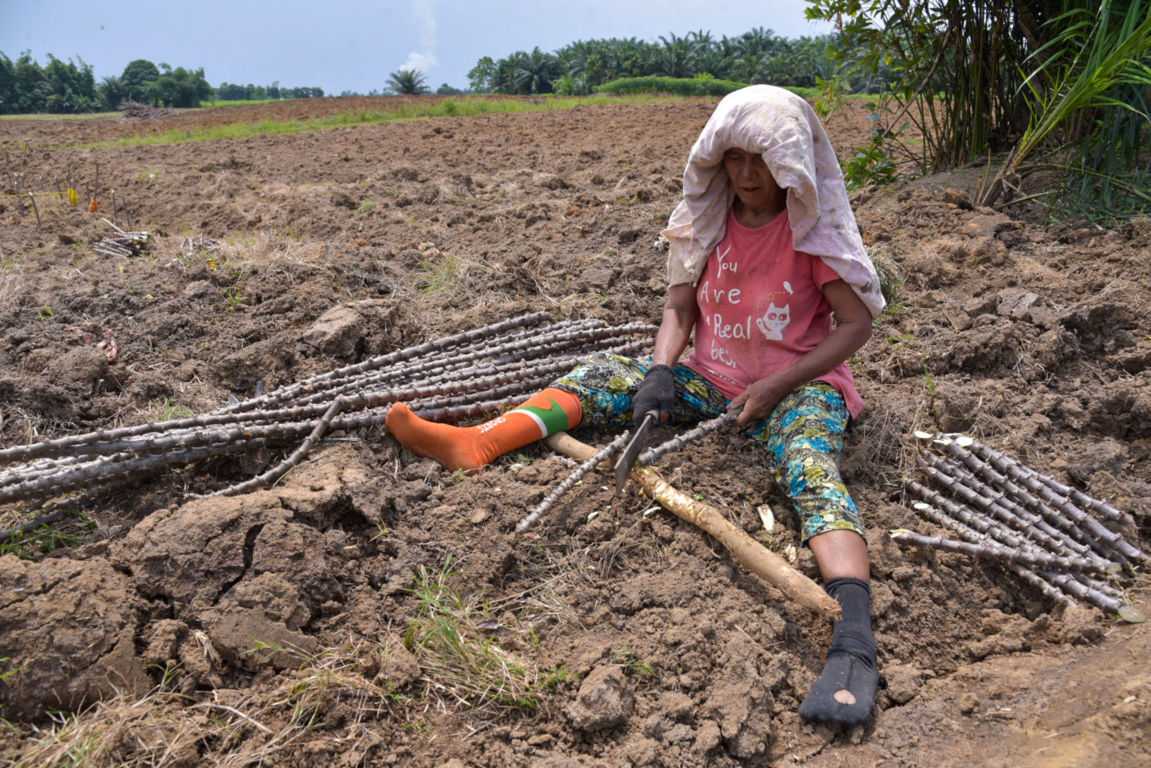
871	164
679	86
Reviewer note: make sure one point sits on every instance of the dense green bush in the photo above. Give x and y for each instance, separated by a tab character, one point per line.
1032	86
756	56
70	86
679	86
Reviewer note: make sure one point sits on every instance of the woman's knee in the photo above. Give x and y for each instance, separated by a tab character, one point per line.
604	384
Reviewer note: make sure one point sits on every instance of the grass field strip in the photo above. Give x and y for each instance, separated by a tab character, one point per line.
455	107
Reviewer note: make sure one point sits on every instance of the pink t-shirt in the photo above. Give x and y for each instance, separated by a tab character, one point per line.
761	308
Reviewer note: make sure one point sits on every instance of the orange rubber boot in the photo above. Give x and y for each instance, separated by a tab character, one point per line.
545	413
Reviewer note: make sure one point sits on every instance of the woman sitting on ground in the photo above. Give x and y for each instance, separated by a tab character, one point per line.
764	253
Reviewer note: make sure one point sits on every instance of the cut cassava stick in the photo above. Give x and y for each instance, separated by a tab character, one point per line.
569	482
519	350
992	552
198	446
1089	502
979	530
971	490
278	471
968	516
103	441
1096	597
651	455
545	343
444	342
1030	490
230	427
452	377
130	466
746	550
1070	538
975	537
1067	516
1103	508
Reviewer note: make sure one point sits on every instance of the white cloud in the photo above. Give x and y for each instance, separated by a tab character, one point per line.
424	58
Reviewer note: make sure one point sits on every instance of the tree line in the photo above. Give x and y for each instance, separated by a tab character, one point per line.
757	56
235	92
66	87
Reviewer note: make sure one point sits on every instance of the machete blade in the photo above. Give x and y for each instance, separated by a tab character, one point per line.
632	451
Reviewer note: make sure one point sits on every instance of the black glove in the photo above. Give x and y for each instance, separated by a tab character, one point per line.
656	393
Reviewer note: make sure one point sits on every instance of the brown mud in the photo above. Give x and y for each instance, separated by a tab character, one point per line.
636	639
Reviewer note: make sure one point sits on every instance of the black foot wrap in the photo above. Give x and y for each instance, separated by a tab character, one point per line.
844	694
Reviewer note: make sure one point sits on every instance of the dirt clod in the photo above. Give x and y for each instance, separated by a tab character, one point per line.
604	700
903	682
398	668
67	635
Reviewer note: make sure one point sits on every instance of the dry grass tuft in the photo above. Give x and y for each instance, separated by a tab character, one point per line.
882	449
231	729
11	290
891	277
153	731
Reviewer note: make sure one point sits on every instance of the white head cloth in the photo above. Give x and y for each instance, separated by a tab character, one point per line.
784	129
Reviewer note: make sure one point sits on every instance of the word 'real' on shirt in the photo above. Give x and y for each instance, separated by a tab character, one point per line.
762	308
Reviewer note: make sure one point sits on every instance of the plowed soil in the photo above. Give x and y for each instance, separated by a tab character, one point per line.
284	626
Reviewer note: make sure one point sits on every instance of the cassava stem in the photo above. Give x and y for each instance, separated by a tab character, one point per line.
569	482
651	455
993	552
743	548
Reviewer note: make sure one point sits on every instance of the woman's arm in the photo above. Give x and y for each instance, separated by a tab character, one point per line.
852	330
657	392
679	315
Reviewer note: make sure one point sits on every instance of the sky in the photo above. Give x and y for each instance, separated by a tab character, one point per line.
354	44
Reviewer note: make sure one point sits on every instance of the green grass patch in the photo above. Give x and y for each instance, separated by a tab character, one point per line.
241	102
704	86
676	86
633	664
412	109
45	539
455	656
51	116
811	93
167	410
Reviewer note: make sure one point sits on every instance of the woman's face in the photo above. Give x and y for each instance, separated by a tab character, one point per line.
752	181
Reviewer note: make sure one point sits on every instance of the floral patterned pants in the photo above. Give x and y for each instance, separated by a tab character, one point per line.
803	435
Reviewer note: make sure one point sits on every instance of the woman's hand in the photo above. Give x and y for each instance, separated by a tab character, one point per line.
852	329
760	399
656	393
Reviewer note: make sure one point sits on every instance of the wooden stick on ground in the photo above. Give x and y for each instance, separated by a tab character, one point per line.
747	551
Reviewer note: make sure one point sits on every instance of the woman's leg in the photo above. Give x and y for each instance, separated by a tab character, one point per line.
840	555
599	391
804	436
545	413
606	384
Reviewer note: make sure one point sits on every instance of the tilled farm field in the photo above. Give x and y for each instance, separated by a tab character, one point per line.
371	609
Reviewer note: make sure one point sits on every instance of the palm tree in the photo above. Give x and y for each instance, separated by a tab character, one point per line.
407	82
678	56
535	72
758	41
705	53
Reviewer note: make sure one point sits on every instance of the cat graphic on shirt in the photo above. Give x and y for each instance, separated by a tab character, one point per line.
774	321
